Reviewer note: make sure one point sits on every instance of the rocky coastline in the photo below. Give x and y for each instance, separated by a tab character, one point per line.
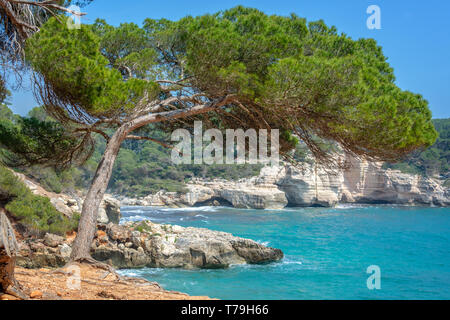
362	182
136	244
147	244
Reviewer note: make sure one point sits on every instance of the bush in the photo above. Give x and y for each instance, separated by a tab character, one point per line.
35	212
10	184
432	161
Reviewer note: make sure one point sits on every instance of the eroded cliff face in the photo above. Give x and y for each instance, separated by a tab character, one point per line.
368	183
248	194
278	187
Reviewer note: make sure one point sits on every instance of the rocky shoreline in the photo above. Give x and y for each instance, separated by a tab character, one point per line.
137	244
147	244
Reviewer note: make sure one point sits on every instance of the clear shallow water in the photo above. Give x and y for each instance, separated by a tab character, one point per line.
327	252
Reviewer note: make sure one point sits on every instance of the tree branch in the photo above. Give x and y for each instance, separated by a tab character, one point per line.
102	133
179	113
47	4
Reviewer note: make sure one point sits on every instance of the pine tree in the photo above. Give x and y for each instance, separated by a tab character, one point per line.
235	69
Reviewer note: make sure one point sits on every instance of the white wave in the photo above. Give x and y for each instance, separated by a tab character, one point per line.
134	218
264	243
190	209
349	206
140	218
287	260
139	272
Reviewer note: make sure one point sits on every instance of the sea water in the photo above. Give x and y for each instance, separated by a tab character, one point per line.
327	252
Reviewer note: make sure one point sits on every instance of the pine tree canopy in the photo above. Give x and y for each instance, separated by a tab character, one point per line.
243	68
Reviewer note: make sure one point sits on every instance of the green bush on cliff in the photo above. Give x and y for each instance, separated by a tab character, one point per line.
35	212
432	161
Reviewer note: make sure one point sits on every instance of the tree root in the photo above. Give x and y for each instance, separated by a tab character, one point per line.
16	292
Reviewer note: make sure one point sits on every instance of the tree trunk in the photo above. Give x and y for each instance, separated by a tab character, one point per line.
7	265
8	251
88	221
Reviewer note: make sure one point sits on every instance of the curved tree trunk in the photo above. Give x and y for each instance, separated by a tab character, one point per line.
8	250
87	226
88	221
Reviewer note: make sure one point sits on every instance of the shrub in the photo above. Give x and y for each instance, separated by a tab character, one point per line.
35	212
143	227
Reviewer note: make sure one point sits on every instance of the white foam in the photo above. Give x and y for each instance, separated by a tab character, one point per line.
287	260
264	243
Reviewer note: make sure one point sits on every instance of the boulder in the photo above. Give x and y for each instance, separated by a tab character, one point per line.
53	240
109	210
65	251
118	233
167	246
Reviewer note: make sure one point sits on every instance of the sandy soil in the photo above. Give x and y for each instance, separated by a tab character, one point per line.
94	284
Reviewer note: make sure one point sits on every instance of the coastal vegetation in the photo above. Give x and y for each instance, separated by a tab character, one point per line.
435	160
35	212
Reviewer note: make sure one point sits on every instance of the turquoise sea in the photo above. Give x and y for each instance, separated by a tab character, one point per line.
327	252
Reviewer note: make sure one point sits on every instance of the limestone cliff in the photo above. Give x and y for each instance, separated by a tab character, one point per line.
277	187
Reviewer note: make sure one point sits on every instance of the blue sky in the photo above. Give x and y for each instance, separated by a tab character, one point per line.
415	35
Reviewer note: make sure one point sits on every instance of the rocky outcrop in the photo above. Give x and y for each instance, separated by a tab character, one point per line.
278	187
166	246
109	210
310	187
244	194
146	244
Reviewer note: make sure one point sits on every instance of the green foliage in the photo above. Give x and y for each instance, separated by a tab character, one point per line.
143	226
10	184
301	77
7	114
79	74
432	161
32	141
33	211
4	93
126	47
